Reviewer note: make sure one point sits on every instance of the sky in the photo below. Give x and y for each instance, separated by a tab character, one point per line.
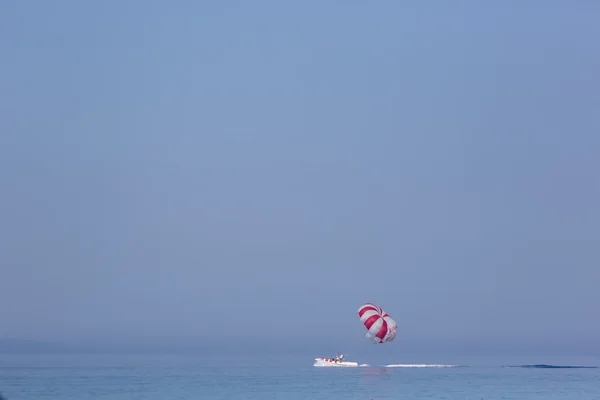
234	173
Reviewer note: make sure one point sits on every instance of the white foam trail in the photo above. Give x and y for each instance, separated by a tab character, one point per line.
419	366
364	365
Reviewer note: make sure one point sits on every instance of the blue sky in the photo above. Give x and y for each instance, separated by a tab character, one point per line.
192	171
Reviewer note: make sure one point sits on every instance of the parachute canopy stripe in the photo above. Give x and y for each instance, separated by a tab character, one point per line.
369	307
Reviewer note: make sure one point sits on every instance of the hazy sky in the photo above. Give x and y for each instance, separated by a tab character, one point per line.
197	171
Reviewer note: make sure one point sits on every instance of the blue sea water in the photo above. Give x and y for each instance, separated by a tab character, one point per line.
162	377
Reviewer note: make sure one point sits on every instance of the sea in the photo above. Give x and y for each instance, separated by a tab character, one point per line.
197	377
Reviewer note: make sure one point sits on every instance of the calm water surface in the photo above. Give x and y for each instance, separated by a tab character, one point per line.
83	377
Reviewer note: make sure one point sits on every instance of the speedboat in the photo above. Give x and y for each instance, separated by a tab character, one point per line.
334	362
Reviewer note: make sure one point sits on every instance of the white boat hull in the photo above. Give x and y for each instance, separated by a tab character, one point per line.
328	362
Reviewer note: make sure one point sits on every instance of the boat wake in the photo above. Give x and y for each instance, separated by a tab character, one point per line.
419	366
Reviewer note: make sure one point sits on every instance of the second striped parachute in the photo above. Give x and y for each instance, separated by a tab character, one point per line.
381	328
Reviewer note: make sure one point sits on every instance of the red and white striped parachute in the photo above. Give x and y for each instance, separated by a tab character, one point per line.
380	326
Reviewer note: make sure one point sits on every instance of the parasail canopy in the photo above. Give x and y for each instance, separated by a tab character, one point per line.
381	328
